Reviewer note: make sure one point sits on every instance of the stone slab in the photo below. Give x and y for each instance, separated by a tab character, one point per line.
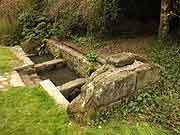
49	65
15	79
123	59
68	88
51	89
21	55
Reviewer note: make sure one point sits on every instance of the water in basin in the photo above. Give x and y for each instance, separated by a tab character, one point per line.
41	58
59	76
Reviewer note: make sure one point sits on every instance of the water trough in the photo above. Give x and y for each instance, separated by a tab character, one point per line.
62	74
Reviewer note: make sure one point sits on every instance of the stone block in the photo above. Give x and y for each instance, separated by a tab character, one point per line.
51	89
110	84
75	60
121	59
68	88
49	65
15	79
147	74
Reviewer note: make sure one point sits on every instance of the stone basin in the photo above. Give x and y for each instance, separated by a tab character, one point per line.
113	78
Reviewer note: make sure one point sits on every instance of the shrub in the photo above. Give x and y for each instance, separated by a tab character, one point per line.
100	13
67	17
32	24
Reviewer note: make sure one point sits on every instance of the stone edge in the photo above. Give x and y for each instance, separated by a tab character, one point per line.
53	92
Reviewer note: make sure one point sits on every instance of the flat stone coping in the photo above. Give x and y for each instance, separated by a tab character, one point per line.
48	65
63	46
67	88
15	79
51	89
21	55
75	60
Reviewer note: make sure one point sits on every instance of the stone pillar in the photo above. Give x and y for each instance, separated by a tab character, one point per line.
164	27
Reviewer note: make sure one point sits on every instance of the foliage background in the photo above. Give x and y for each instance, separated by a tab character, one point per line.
39	19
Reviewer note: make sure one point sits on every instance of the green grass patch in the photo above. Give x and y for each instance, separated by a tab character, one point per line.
7	60
29	110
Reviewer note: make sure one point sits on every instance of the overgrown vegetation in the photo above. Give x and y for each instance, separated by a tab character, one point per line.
36	20
159	103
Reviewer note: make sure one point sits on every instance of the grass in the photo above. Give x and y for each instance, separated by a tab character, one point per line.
29	110
6	59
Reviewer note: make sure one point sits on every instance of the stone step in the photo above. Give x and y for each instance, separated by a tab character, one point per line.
71	89
15	79
49	65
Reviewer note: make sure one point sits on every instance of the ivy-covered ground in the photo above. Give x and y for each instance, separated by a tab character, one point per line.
155	110
159	103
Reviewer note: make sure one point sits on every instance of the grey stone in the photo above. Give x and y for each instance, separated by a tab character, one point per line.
21	55
123	59
147	74
49	65
110	84
75	60
68	88
51	89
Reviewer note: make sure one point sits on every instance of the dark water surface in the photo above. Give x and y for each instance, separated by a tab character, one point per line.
41	58
59	76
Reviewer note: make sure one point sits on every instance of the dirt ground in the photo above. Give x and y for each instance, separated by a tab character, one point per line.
112	46
134	45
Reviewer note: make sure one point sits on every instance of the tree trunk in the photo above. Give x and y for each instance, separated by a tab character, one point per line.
164	27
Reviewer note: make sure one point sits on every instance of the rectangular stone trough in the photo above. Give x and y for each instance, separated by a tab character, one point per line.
54	75
63	77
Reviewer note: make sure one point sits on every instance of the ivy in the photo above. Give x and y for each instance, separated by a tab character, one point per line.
158	103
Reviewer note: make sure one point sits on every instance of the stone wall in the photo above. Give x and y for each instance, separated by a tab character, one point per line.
110	83
74	59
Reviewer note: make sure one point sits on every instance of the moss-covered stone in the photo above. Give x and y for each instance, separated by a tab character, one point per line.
110	84
74	59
